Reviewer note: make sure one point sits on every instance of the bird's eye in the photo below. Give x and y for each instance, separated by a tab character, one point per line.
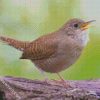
76	25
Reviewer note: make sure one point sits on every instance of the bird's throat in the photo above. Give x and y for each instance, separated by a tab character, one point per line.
83	37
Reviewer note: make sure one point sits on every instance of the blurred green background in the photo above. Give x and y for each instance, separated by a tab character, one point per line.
29	19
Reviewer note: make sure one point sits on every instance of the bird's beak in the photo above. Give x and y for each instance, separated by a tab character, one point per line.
86	25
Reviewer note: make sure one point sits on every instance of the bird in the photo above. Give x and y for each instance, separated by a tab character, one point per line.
55	51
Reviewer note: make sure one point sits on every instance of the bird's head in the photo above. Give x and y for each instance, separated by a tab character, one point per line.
76	25
78	29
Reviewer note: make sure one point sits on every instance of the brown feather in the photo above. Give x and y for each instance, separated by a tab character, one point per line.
41	48
20	45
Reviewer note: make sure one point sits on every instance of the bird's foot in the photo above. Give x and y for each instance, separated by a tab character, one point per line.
46	80
64	83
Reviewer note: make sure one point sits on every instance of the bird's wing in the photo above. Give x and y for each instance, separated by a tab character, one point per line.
40	49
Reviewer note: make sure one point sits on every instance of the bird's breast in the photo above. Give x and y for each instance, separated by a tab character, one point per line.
65	56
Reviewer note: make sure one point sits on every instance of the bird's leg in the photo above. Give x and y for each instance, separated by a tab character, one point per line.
60	77
66	84
62	81
44	75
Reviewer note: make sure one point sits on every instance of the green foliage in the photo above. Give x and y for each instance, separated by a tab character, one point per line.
28	21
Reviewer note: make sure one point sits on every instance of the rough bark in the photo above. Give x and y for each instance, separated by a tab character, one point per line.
12	88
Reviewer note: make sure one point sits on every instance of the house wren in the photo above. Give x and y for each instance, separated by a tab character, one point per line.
56	51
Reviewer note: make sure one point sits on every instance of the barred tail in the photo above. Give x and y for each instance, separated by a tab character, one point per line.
20	45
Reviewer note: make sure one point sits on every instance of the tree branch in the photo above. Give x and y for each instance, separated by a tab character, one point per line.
12	88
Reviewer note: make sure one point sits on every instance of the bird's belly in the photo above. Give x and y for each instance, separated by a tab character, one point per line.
56	64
